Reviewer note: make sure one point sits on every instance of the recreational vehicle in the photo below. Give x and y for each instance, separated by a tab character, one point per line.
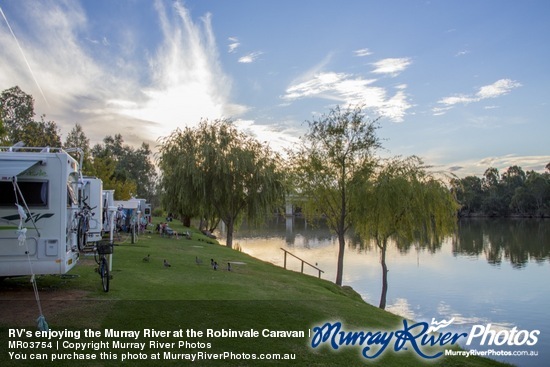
109	210
128	216
90	226
39	211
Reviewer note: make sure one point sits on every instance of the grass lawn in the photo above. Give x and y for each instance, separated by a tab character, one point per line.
190	296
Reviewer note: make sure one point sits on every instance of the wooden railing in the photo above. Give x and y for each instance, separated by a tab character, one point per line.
303	262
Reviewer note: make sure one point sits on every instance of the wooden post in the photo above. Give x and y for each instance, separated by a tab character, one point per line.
285	259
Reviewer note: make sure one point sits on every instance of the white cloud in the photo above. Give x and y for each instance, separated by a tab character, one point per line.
362	52
278	136
391	66
499	88
353	90
234	44
251	57
438	111
178	82
63	68
458	99
188	83
476	167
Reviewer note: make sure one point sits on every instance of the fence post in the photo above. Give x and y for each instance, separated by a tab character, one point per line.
302	260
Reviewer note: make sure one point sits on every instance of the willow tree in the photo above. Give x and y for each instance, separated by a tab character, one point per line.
215	168
403	202
179	174
337	147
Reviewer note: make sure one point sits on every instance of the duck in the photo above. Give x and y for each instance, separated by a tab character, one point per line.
197	260
147	258
166	264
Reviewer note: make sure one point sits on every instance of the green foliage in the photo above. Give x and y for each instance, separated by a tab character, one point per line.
338	148
515	193
104	168
78	139
406	203
158	212
17	108
3	131
123	168
17	116
215	171
468	192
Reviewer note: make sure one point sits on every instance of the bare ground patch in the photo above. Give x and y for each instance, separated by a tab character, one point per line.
60	306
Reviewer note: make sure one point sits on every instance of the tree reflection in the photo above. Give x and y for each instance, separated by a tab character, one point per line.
517	241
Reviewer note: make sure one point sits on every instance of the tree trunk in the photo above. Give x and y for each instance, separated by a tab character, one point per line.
229	238
340	264
186	221
384	277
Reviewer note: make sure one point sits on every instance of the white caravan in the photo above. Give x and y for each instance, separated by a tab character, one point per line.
109	210
92	197
38	211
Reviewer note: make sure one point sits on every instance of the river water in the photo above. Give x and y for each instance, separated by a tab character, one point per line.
492	271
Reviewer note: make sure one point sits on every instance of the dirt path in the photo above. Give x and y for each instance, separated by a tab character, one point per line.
59	303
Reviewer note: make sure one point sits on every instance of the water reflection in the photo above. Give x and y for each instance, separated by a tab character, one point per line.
490	271
516	241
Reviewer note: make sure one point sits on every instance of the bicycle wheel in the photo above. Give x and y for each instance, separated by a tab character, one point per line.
104	273
81	233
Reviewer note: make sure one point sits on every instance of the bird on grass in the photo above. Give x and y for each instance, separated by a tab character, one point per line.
166	264
147	258
197	260
228	266
215	266
212	263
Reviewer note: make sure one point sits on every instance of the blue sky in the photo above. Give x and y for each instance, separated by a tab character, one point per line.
462	84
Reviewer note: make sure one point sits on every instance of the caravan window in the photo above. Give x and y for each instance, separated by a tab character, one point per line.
35	193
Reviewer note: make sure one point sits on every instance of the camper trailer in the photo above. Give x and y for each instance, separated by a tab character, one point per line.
144	214
109	210
92	201
38	211
128	217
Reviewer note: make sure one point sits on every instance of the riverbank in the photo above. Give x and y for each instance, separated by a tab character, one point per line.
277	307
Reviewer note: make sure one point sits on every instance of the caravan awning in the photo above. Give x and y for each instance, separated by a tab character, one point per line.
10	169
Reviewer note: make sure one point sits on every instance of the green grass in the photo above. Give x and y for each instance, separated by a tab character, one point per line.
253	295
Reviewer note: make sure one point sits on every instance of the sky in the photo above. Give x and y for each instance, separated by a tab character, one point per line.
463	84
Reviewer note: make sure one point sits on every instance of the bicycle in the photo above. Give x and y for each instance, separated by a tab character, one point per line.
100	251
